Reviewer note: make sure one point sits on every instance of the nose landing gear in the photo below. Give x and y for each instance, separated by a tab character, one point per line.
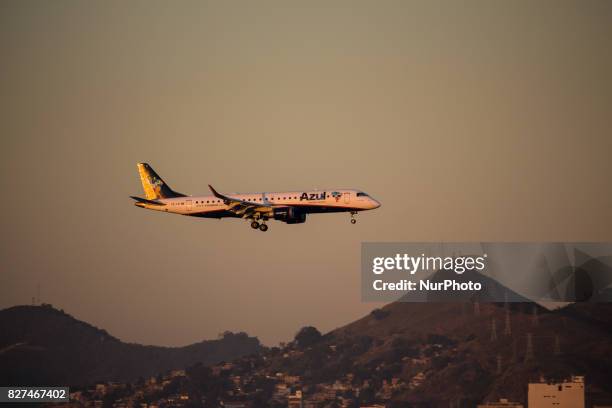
353	220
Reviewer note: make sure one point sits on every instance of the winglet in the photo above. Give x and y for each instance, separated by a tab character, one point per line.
215	193
225	199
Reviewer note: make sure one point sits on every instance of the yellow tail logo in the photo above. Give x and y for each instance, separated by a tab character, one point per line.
154	187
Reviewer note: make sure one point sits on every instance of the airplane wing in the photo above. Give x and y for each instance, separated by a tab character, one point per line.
243	208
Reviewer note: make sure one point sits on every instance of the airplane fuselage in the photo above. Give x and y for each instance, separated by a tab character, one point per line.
309	202
290	207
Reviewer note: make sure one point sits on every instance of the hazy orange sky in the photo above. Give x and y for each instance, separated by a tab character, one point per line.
478	120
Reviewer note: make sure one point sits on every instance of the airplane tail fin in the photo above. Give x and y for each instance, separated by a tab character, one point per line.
153	185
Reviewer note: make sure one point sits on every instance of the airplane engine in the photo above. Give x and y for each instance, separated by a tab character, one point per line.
290	215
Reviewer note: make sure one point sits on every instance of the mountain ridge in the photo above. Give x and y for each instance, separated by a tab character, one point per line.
41	344
573	340
438	354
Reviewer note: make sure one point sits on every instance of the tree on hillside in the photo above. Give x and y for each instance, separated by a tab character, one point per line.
307	336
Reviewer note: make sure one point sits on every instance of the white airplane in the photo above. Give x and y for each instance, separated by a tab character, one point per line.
290	206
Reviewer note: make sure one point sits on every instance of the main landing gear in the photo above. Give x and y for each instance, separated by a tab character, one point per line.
256	225
353	220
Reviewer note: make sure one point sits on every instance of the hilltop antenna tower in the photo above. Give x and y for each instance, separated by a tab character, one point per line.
507	327
534	317
557	351
493	330
529	352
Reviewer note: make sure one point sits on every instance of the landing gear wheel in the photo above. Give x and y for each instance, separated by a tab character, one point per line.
353	221
263	227
255	225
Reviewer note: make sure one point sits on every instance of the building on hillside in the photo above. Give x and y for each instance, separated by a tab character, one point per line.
566	394
291	379
236	404
502	403
177	373
417	380
295	400
312	403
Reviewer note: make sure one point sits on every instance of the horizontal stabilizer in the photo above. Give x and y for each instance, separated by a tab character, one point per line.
145	201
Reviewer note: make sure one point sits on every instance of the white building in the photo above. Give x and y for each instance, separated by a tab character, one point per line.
567	394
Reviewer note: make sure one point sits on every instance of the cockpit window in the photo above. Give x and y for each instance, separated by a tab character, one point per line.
362	194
